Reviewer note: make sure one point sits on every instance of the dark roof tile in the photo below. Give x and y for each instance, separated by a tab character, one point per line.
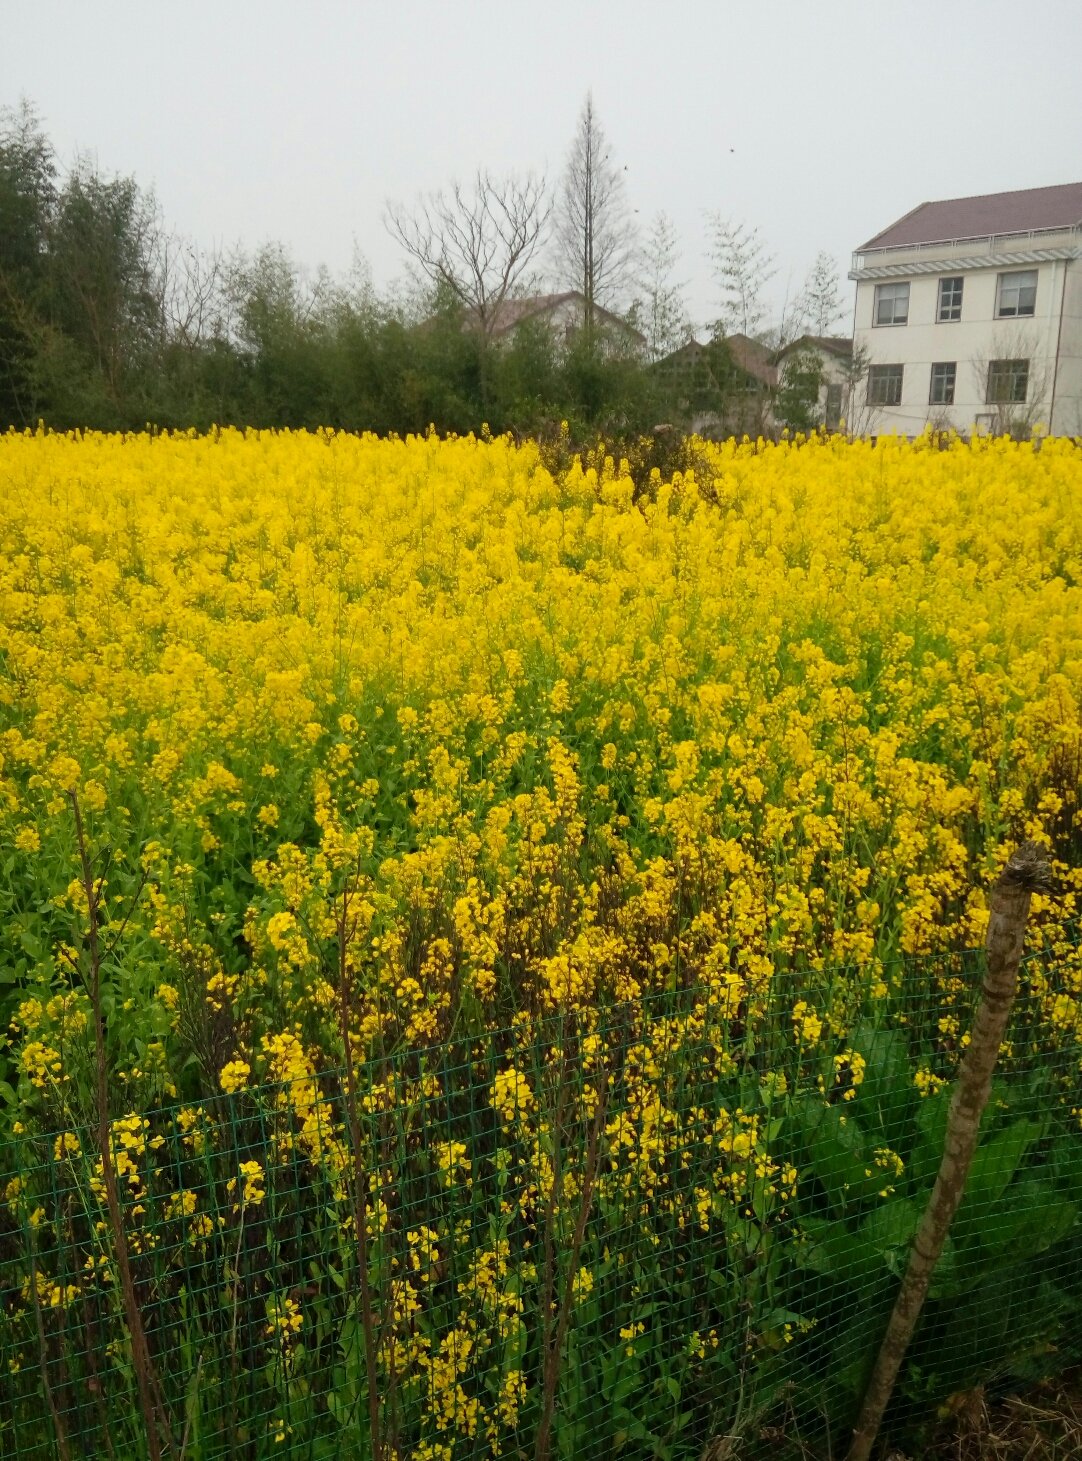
980	217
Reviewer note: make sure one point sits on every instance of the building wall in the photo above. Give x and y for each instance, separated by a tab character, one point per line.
977	337
1067	407
970	342
833	370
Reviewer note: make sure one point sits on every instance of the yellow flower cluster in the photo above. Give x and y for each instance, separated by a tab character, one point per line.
252	1190
234	1076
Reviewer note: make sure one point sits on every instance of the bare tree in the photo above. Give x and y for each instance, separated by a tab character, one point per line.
595	233
743	268
191	286
860	413
476	242
661	310
791	323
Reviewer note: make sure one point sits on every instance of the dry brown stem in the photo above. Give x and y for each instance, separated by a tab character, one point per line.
360	1216
150	1398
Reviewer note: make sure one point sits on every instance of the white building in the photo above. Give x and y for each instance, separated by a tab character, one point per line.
562	315
970	313
832	356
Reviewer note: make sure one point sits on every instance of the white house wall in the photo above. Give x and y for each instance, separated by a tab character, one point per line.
1067	408
834	370
970	342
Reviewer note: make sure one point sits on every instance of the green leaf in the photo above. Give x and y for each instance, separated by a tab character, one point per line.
892	1226
993	1166
927	1152
628	1383
886	1096
840	1157
515	1347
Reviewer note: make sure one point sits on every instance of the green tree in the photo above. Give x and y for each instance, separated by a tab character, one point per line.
820	304
661	311
797	402
27	204
104	296
278	318
742	268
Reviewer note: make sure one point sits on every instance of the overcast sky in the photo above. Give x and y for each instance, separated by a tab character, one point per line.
819	121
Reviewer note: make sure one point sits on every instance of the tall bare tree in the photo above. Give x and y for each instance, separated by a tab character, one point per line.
595	232
743	267
476	242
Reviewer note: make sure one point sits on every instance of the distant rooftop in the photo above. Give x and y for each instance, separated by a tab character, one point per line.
830	344
990	213
515	311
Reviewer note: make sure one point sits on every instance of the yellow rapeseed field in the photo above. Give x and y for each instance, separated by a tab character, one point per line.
421	739
575	741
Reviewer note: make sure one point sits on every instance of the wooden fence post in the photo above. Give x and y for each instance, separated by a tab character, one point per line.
1026	872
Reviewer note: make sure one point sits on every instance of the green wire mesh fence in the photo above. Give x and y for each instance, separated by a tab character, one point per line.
671	1228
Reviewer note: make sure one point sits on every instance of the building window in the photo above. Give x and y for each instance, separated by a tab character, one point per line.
1008	382
1017	294
892	304
950	300
884	385
942	389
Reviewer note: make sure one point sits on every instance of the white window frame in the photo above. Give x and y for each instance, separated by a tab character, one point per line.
877	374
1009	289
944	312
892	291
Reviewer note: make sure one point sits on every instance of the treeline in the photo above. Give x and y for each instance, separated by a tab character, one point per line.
109	320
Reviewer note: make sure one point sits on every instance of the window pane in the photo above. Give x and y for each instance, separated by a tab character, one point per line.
884	385
891	304
941	392
1017	293
950	299
1008	381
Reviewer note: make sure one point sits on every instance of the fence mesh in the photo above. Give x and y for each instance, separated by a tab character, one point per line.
669	1228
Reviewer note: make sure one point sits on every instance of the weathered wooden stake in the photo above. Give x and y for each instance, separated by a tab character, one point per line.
1026	872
